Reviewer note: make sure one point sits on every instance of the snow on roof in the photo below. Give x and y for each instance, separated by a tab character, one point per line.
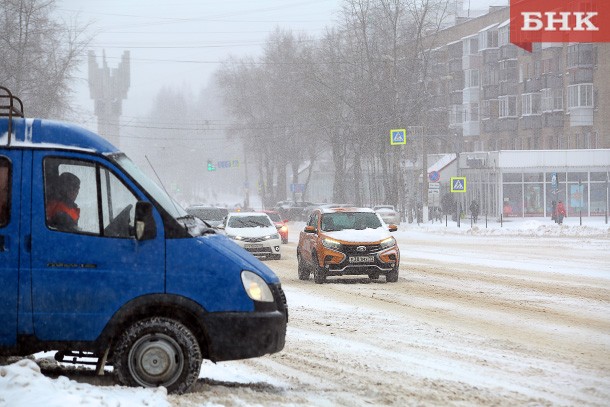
504	24
488	27
444	161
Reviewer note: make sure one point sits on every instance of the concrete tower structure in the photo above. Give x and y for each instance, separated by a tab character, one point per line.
108	88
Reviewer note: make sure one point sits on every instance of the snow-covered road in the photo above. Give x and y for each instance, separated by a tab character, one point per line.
478	317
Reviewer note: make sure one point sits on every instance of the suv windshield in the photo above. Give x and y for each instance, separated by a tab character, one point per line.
349	220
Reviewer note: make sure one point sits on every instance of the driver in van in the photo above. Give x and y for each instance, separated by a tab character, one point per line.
62	211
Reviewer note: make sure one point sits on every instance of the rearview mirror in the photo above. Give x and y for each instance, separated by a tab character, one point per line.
146	227
309	229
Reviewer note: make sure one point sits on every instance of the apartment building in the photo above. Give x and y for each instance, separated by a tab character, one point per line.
490	95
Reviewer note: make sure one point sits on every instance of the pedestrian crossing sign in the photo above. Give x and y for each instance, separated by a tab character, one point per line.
458	184
398	136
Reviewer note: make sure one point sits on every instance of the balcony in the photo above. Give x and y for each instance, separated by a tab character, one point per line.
532	85
490	92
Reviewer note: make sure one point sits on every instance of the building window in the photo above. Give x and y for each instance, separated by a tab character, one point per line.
471	78
489	109
471	46
456	115
504	35
552	100
580	54
472	112
580	95
488	39
508	106
530	104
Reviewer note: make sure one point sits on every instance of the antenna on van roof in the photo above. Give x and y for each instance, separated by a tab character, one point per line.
161	182
9	108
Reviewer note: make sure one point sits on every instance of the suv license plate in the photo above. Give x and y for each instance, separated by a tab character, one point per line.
361	259
253	245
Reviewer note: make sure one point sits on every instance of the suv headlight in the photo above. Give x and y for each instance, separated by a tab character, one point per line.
331	244
255	287
389	242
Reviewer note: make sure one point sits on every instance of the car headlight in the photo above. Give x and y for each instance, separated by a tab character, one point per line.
275	236
389	242
331	244
235	237
255	287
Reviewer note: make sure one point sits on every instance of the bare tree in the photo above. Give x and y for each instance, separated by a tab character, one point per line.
39	55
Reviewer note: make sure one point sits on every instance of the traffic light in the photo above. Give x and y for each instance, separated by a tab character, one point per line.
211	166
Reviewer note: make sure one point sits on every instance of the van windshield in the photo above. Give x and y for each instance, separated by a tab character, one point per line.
157	193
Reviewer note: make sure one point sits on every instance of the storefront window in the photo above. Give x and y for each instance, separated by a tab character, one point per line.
533	177
513	200
512	177
577	198
599	198
534	200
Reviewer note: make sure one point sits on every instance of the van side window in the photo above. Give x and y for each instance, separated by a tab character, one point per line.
5	190
84	197
71	203
118	206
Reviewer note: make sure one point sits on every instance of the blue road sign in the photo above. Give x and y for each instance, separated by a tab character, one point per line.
434	176
398	136
458	184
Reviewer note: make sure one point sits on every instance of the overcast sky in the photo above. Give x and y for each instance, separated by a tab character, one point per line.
180	43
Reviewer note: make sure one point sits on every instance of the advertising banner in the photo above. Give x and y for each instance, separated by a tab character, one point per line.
559	21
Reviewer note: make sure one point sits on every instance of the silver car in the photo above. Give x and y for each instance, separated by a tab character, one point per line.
389	215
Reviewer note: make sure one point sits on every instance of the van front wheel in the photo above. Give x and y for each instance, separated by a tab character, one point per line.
158	352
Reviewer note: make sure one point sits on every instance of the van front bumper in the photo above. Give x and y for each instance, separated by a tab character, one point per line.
242	335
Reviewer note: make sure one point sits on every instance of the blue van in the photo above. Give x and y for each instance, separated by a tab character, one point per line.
97	261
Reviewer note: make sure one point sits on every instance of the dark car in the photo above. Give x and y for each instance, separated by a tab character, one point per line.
212	215
291	210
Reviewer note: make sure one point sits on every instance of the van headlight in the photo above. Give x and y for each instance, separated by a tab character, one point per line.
256	287
389	242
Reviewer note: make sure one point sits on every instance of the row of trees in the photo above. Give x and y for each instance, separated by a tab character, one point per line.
39	55
341	93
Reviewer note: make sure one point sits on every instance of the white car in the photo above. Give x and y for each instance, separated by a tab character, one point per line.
255	232
388	214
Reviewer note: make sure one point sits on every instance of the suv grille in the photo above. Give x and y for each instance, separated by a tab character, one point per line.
369	249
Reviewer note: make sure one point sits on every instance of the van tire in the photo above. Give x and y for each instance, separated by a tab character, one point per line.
155	352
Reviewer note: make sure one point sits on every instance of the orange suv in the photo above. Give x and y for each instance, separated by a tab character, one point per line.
347	241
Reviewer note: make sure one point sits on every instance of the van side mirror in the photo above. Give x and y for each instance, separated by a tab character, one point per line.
146	228
392	228
309	229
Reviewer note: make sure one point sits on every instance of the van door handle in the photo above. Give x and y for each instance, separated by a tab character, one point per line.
2	240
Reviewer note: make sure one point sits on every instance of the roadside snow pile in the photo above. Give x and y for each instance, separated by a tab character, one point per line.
23	385
592	227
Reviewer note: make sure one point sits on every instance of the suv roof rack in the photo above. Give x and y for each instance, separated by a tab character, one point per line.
9	108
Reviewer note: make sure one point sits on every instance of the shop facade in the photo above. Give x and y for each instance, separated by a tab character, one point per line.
526	183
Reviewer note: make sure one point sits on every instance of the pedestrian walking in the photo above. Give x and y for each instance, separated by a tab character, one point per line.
474	210
560	212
